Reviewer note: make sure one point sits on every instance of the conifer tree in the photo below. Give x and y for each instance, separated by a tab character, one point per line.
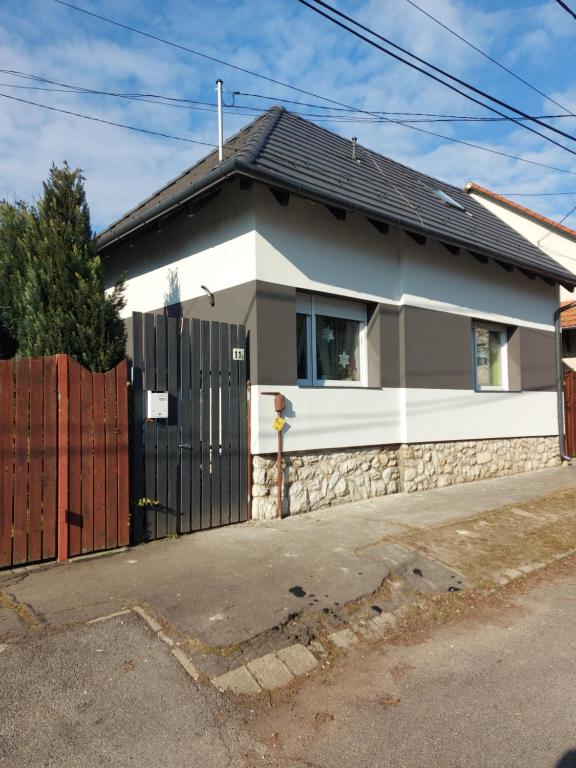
13	221
64	305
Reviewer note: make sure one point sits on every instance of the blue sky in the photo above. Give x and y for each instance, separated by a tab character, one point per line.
283	40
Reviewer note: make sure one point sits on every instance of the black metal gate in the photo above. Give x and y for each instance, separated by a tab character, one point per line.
190	470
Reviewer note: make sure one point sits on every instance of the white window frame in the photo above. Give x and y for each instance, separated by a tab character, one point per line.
312	305
503	331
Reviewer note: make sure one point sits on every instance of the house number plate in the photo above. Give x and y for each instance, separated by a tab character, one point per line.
237	353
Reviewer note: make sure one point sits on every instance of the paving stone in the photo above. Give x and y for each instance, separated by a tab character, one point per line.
269	671
527	568
512	573
344	638
297	658
238	681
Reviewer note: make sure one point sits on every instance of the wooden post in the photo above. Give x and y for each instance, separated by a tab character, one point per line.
63	456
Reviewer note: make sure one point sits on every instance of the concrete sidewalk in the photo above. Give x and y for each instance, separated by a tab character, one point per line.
225	586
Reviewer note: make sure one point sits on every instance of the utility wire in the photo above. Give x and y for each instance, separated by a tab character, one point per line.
437	69
311	93
106	122
205	106
534	194
433	117
490	58
566	8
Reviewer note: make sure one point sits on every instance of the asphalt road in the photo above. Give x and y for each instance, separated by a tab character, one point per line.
492	692
111	694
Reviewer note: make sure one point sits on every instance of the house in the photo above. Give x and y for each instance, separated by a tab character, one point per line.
409	327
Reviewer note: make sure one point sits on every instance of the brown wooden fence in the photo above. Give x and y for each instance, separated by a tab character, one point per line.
64	464
570	412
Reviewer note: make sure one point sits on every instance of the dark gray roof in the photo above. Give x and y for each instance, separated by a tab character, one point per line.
288	152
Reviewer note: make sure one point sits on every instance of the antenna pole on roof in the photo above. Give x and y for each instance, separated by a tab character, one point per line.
219	85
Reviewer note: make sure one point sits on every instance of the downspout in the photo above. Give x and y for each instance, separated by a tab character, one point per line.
560	378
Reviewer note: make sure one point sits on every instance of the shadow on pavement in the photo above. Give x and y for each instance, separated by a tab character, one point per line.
568	760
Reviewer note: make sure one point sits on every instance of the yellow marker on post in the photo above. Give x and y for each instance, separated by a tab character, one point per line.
278	423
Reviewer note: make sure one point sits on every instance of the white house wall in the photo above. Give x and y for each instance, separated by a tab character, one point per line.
559	247
215	248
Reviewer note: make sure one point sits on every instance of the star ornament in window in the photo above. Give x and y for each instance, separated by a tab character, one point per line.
328	334
344	359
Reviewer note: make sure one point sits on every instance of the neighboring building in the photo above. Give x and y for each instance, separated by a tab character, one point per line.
556	240
411	330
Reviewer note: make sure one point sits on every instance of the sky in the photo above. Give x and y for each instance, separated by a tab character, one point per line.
283	40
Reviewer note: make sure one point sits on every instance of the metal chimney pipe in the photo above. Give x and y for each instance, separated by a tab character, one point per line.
219	85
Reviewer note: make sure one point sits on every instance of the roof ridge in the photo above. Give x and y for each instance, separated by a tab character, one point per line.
251	150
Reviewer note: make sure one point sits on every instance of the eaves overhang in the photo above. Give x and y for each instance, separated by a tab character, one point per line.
238	167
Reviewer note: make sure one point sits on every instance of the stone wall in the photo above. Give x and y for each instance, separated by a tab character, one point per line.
314	480
437	465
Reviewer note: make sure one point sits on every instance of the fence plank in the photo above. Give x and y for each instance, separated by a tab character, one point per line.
20	540
36	450
205	417
75	460
6	460
150	431
87	458
161	431
185	430
225	436
242	448
172	424
216	518
195	442
137	490
234	432
111	459
98	398
50	431
123	463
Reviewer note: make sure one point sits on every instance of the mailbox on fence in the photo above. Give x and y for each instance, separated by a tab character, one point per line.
156	405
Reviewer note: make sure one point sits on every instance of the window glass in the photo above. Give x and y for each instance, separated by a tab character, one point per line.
489	345
337	348
302	345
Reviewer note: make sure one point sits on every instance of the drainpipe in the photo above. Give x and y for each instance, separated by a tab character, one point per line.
560	378
279	406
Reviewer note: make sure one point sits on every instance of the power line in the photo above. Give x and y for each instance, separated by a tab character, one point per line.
434	117
311	93
205	106
566	8
437	69
107	122
534	194
490	58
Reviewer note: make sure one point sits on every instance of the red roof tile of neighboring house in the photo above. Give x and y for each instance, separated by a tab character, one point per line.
568	318
472	187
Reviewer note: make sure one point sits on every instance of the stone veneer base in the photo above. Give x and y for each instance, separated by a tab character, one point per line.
313	480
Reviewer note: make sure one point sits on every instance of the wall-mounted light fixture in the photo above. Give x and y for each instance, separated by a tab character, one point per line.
210	294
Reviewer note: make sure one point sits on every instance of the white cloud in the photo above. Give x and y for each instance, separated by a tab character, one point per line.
287	43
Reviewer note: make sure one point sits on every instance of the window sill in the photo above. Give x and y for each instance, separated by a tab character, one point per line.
355	385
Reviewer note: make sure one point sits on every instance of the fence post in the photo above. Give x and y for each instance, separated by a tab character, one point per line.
63	456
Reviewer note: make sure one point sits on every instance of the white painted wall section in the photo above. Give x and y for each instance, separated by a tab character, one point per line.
216	248
560	247
325	418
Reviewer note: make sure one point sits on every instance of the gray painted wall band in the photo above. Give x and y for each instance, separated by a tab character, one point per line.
407	346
